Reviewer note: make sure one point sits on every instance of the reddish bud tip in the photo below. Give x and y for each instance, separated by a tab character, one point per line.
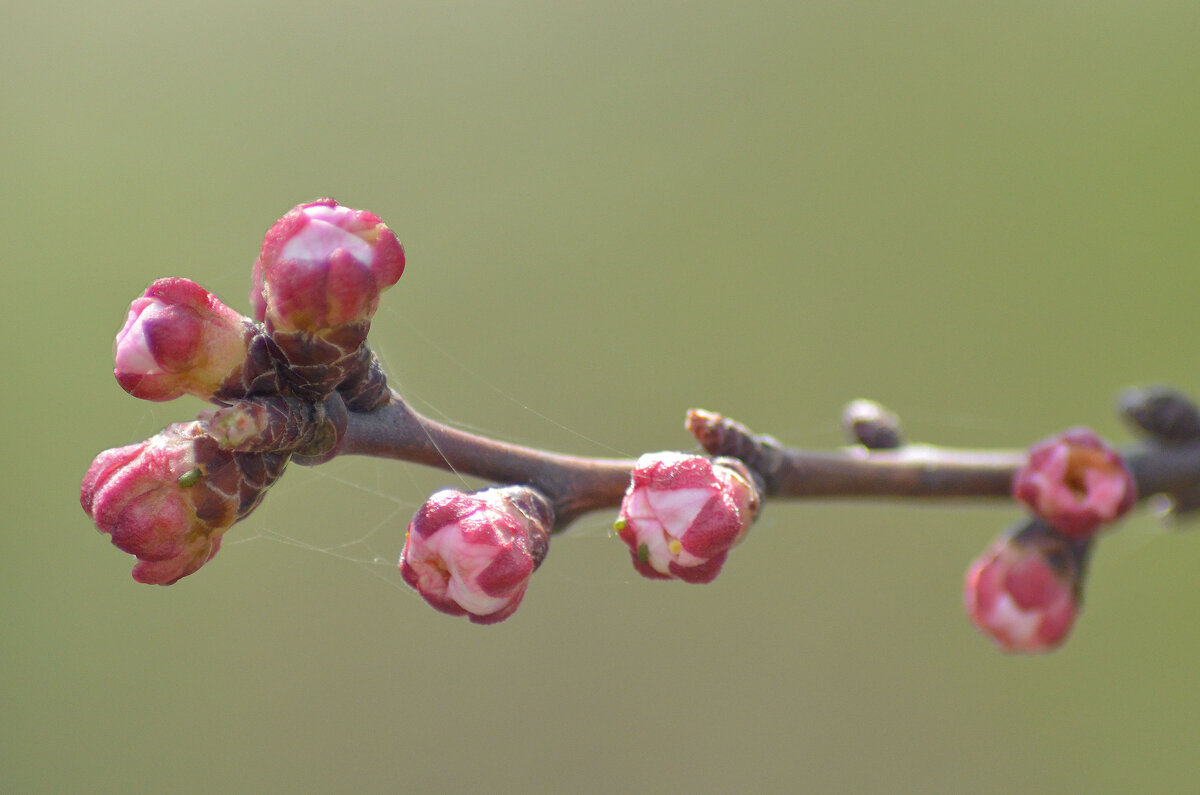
1076	482
179	339
683	513
1024	591
473	553
323	266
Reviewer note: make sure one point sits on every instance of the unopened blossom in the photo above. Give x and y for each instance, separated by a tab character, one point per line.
683	513
1076	482
317	283
473	553
180	339
323	266
168	500
1024	592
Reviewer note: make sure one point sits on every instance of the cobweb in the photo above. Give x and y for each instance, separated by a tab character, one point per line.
385	493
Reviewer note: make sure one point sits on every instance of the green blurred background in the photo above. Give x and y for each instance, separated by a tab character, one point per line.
983	215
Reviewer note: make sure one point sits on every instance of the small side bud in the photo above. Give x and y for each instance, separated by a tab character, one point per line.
871	425
1076	482
180	339
275	423
722	436
170	499
473	553
1025	591
683	513
1162	412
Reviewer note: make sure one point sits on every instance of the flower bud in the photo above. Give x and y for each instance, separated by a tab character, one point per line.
323	265
180	339
473	553
169	499
1076	482
683	513
317	282
1024	593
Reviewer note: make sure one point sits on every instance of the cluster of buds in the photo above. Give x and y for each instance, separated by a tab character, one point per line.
1026	590
473	553
283	383
288	382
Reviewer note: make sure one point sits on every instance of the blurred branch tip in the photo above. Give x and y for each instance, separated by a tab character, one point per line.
297	381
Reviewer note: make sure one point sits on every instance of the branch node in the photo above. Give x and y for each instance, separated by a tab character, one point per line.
721	436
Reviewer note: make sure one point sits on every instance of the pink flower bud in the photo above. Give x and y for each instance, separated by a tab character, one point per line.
683	513
473	553
323	266
1024	592
179	338
169	499
1076	482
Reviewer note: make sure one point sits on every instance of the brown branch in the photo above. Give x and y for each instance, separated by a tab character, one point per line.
574	485
1158	467
577	485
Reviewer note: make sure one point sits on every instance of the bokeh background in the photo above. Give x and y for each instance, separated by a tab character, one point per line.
983	215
